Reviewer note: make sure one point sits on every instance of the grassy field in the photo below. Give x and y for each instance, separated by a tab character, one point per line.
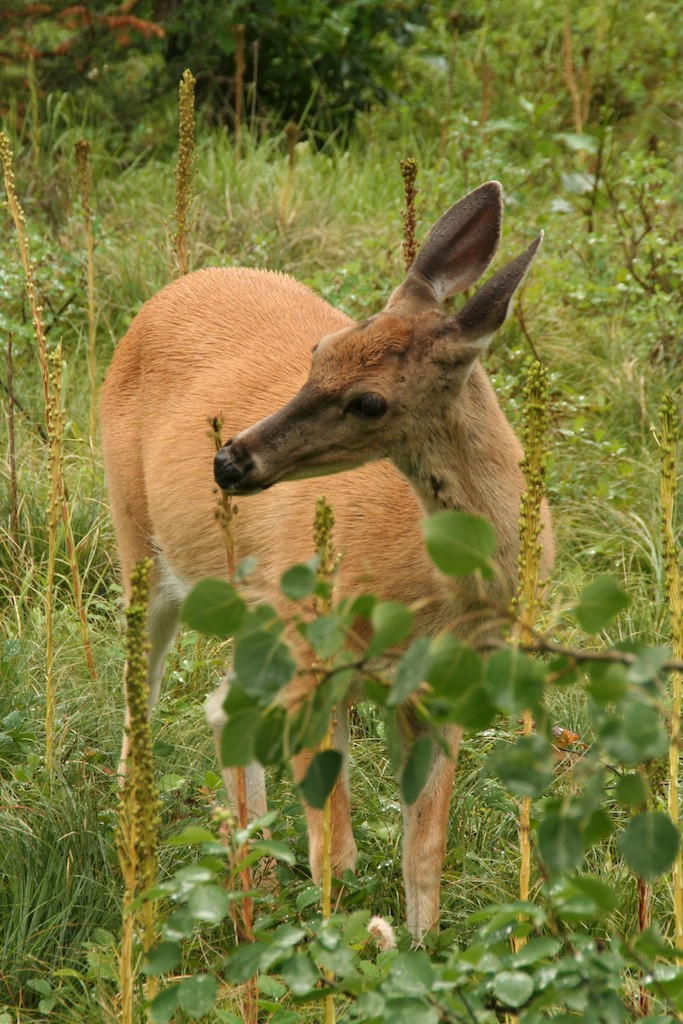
602	311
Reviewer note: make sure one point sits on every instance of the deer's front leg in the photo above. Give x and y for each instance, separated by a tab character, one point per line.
344	851
254	775
424	840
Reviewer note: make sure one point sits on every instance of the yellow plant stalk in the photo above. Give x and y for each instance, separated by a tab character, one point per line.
669	438
85	187
527	601
139	805
323	527
183	181
14	207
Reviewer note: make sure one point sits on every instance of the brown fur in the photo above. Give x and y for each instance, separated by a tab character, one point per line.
238	342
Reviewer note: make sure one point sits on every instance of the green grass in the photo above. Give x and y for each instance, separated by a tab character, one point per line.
336	225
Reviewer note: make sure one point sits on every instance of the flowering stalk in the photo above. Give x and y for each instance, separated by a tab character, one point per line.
323	527
139	805
226	511
55	427
243	910
183	181
85	186
409	174
527	601
19	219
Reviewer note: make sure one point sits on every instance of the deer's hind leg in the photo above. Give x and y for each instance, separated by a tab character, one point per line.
425	825
343	847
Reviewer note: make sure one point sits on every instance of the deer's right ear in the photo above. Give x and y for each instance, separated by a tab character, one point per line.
459	247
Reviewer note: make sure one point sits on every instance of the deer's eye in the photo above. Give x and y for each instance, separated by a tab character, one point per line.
368	406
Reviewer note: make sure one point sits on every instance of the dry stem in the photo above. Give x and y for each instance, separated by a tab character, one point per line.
570	77
14	509
240	68
85	186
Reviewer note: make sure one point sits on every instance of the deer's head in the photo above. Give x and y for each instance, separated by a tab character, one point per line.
374	387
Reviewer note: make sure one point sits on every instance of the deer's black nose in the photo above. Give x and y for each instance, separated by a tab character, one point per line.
229	469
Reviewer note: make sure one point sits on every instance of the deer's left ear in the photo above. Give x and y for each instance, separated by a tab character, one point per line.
457	251
488	309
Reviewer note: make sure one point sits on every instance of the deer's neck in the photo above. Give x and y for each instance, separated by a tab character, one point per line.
469	460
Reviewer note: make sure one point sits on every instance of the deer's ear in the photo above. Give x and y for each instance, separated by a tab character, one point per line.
487	310
458	249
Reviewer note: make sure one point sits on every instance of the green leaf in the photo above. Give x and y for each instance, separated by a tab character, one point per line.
559	843
271	848
456	674
608	683
459	543
411	974
408	1011
269	739
600	601
208	903
238	736
163	1006
603	896
163	958
321	776
300	974
213	607
298	582
197	994
648	664
536	949
244	961
514	681
471	709
392	623
525	767
416	768
453	666
638	735
325	635
649	844
577	142
409	672
578	183
631	790
263	664
513	988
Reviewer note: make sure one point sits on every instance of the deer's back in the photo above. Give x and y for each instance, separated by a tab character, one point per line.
237	342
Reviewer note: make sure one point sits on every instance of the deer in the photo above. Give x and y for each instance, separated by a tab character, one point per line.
397	411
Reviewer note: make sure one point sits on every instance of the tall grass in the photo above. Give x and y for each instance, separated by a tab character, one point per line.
342	235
